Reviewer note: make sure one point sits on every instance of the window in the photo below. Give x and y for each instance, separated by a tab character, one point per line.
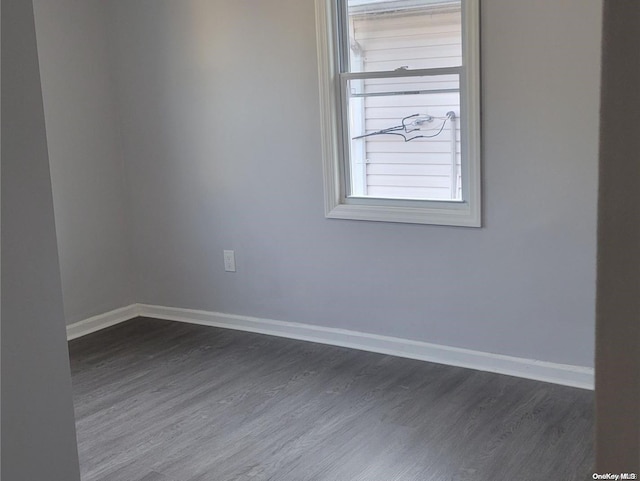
399	84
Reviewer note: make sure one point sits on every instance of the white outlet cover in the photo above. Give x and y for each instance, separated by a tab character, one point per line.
229	261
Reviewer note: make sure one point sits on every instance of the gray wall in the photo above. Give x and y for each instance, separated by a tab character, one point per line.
618	306
221	137
38	431
87	172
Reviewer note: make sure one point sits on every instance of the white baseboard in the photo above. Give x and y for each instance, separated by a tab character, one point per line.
101	321
568	375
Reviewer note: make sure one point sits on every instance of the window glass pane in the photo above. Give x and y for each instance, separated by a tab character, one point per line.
404	137
385	35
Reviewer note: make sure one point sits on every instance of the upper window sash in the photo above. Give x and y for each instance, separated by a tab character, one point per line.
341	18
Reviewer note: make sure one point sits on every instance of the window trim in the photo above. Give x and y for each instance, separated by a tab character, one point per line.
465	213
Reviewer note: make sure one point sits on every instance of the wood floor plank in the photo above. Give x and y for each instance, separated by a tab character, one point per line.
157	401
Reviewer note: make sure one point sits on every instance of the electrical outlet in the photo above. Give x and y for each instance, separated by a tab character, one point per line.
229	261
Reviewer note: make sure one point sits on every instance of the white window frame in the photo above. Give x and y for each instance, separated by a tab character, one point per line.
465	212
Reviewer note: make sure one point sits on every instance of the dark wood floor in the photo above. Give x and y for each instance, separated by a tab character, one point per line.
163	401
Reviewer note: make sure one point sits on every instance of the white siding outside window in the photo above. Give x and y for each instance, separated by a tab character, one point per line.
421	169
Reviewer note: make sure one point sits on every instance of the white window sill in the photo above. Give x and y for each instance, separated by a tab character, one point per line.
447	213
